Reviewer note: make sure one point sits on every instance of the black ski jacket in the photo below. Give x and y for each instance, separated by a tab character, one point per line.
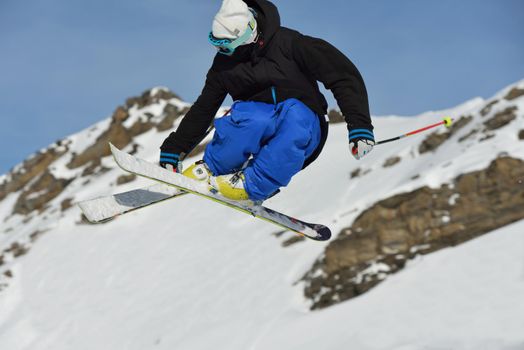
290	62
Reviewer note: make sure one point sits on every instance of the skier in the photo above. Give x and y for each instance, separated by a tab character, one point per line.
277	126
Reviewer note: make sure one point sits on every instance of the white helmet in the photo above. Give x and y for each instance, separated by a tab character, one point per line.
232	21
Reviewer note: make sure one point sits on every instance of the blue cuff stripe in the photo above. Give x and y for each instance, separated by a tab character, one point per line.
365	136
169	155
169	160
355	131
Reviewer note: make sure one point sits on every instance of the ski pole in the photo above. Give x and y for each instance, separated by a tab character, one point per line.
447	121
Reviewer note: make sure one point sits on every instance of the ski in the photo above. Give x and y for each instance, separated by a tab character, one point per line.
106	208
154	172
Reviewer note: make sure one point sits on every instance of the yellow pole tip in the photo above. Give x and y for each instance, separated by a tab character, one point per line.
448	121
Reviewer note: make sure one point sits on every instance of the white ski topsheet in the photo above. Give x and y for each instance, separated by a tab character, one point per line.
144	168
104	208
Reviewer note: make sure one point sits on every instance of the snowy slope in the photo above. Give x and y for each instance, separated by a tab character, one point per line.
188	274
469	297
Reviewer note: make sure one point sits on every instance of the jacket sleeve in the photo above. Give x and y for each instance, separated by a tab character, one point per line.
331	67
198	118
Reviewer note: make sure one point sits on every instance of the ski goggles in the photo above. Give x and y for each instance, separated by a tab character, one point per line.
228	46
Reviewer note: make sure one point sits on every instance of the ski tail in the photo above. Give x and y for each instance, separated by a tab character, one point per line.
106	208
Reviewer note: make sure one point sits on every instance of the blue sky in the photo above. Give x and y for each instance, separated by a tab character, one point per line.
66	64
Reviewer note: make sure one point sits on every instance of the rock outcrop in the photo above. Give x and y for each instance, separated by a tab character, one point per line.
171	114
434	140
31	169
116	134
39	193
121	135
335	117
501	119
487	108
124	179
150	97
392	231
38	186
391	161
514	93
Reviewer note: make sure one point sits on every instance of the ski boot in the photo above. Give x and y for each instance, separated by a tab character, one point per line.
198	171
230	186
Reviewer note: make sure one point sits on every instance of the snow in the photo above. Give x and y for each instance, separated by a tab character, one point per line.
453	198
157	89
202	288
468	297
190	274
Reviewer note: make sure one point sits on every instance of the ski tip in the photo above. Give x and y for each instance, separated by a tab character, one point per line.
116	154
320	232
113	148
323	233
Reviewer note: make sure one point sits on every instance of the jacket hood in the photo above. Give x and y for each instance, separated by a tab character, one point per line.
269	19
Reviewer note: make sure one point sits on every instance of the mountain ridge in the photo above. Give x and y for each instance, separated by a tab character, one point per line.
212	252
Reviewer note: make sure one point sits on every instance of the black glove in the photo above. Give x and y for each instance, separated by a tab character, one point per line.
169	161
361	142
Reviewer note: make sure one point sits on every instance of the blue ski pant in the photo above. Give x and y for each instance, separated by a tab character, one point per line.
277	137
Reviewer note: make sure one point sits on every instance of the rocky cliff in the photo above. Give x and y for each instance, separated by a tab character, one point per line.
38	185
383	238
387	235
